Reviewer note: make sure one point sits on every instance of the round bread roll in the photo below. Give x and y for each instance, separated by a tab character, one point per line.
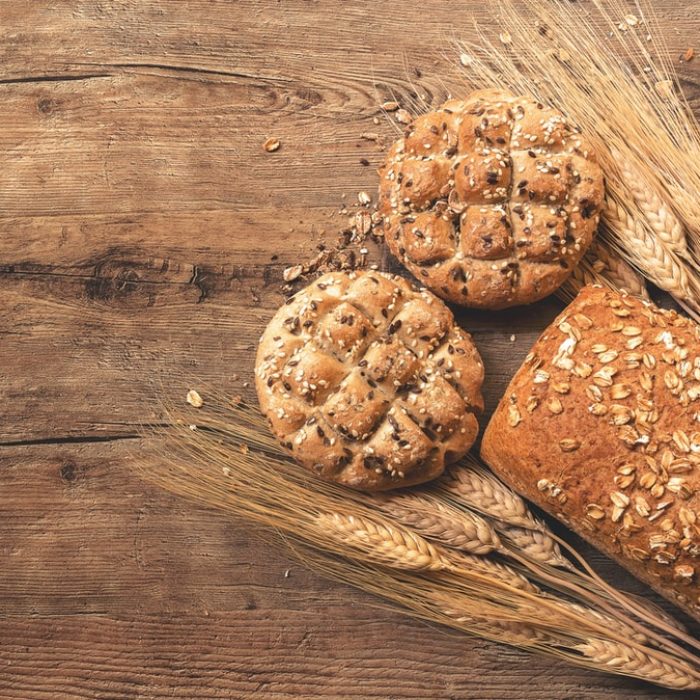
490	202
368	382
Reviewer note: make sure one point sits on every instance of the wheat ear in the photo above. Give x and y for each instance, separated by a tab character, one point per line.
632	661
601	266
496	569
382	543
437	520
646	251
661	218
536	545
479	490
616	271
594	614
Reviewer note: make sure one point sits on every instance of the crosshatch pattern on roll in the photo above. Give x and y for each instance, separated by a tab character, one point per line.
490	202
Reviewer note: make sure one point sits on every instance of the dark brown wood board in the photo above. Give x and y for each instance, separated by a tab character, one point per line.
140	223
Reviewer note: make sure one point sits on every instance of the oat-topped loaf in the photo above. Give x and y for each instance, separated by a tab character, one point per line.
491	201
601	427
369	382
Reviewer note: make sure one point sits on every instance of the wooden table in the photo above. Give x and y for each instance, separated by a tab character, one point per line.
144	231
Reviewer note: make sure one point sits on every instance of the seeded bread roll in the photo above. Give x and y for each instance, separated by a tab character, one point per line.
601	428
491	201
368	382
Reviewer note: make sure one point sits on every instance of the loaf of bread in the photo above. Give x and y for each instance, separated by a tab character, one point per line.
601	428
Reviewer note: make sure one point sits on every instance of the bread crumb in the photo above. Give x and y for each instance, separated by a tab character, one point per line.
291	273
272	144
689	54
194	399
403	117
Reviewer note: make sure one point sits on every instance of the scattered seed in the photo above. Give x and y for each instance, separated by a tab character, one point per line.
403	117
390	106
194	399
272	144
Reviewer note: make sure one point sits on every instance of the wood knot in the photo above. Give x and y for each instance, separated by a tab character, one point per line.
46	105
68	472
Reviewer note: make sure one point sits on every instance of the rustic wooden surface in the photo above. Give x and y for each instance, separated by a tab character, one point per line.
139	217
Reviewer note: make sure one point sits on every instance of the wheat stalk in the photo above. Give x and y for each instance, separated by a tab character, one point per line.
208	464
630	661
451	607
437	520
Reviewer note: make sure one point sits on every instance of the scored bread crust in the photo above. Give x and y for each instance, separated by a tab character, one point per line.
368	381
601	428
490	202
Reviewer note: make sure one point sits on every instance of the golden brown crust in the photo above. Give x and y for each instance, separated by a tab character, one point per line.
490	202
601	427
369	382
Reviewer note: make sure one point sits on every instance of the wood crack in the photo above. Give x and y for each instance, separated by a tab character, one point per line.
68	440
53	78
197	70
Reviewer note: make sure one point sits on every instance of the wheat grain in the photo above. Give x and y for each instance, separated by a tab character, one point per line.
382	542
437	520
630	661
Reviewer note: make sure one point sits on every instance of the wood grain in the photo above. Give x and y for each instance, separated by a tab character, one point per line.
143	234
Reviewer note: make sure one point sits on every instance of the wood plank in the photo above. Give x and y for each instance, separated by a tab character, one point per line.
110	589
